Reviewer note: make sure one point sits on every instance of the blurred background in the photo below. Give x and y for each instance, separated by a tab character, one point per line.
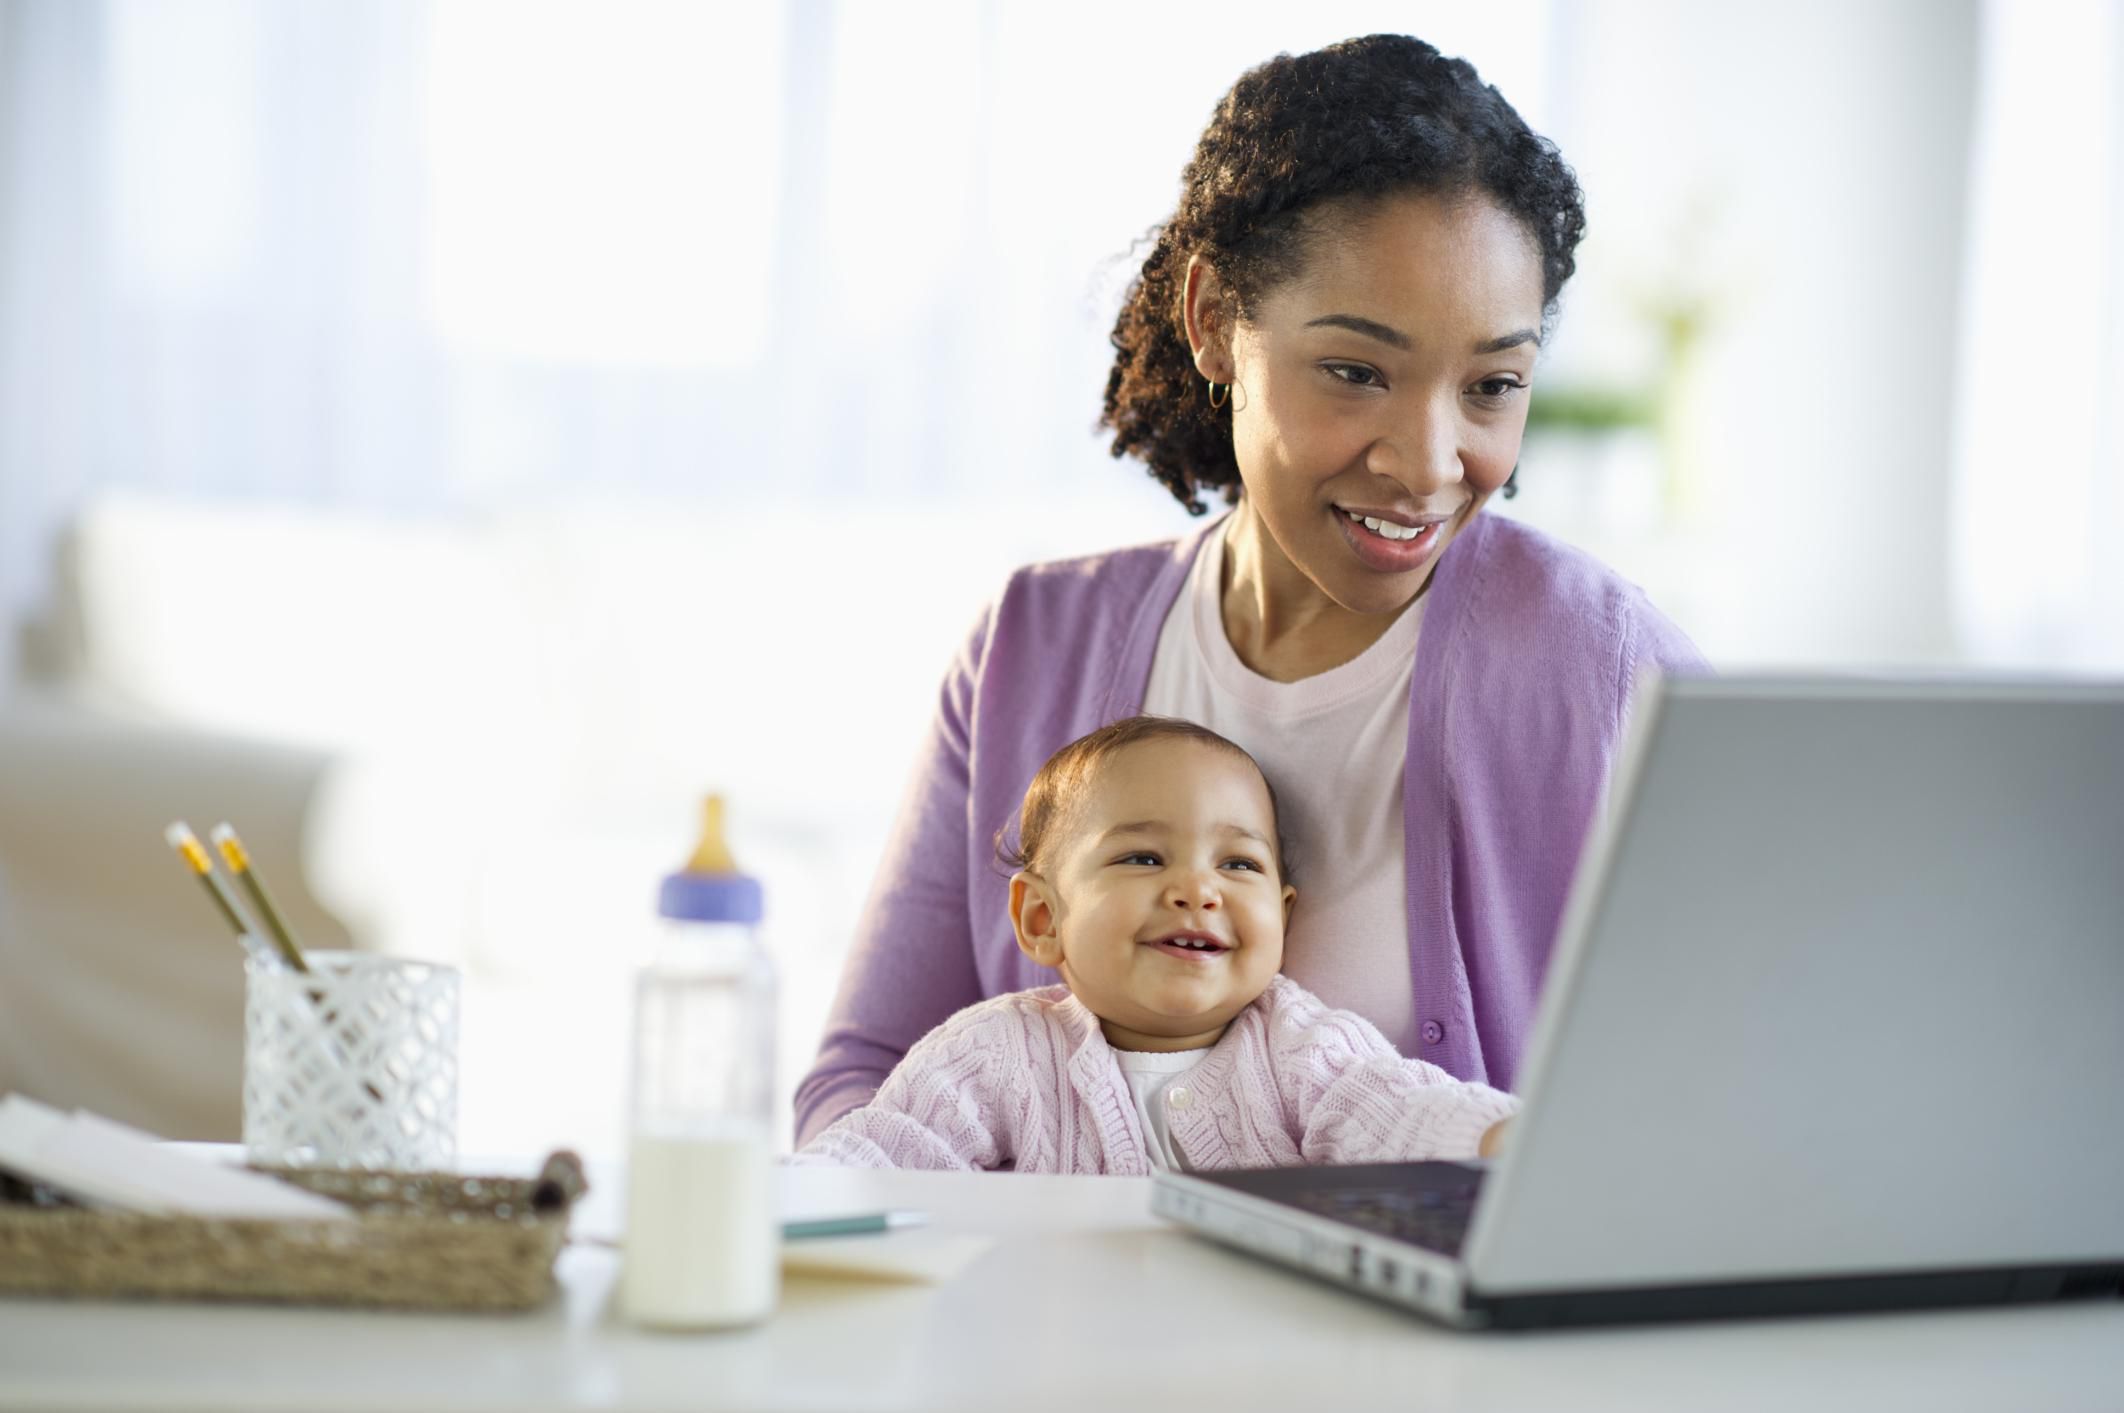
446	438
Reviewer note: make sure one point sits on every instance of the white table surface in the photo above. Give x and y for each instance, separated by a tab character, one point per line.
1084	1301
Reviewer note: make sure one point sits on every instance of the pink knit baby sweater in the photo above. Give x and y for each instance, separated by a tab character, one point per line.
1027	1081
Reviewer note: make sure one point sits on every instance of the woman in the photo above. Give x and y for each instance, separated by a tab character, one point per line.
1338	329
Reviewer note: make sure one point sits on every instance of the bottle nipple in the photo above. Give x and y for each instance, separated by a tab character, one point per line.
712	854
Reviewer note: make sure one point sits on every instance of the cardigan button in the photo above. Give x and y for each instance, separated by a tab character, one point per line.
1433	1032
1179	1098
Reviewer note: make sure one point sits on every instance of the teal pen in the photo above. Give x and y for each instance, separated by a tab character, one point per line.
861	1224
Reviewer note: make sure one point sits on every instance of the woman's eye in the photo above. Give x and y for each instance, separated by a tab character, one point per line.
1498	391
1355	374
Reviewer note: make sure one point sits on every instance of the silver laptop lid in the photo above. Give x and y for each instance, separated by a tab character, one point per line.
1839	990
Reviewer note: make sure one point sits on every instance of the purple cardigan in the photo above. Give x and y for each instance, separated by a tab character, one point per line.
1524	668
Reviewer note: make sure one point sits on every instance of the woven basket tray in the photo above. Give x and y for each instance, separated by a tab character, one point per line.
430	1241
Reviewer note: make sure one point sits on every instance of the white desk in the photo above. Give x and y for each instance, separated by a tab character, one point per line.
1084	1302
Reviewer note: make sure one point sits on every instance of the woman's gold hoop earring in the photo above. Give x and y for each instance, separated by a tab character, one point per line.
1216	401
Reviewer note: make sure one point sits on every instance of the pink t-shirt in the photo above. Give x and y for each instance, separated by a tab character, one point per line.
1334	746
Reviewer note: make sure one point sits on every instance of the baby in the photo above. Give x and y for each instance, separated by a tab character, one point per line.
1150	876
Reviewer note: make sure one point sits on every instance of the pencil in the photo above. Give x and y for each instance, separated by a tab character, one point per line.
861	1224
239	862
194	854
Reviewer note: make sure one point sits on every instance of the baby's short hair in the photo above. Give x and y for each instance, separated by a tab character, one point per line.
1058	784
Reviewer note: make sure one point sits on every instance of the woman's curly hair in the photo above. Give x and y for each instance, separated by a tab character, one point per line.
1363	119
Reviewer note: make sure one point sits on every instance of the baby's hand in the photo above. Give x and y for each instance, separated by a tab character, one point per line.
1493	1139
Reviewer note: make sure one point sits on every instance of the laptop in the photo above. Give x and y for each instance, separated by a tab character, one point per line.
1835	1021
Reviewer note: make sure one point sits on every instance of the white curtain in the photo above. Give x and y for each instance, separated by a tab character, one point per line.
469	255
2037	559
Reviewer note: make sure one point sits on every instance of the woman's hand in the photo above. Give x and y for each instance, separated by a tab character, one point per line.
1493	1138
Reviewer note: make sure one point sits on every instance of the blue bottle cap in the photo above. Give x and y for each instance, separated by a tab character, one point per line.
710	897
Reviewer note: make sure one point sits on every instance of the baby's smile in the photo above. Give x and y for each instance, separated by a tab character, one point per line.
1192	946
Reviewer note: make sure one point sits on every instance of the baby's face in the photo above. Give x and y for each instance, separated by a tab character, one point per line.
1163	906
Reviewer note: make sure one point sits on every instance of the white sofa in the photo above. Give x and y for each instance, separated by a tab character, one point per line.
478	742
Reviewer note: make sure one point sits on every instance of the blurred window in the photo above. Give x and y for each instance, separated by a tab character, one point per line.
475	255
2039	502
603	181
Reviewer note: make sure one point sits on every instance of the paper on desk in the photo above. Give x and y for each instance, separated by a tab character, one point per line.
106	1164
912	1257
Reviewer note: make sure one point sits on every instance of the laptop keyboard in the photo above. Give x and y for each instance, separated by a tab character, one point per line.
1433	1217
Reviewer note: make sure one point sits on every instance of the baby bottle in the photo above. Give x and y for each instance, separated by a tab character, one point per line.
703	1245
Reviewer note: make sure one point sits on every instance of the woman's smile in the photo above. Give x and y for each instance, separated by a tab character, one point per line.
1393	544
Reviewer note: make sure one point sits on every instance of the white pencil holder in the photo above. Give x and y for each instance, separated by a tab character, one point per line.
352	1064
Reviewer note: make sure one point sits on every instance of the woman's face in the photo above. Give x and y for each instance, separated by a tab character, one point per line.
1380	394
